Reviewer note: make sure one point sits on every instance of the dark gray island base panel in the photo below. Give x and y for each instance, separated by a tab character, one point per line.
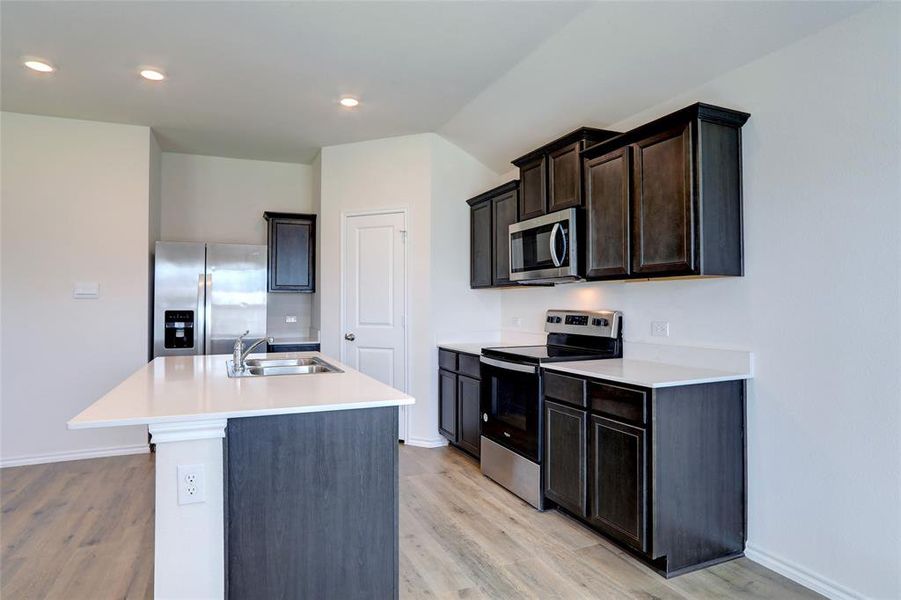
312	505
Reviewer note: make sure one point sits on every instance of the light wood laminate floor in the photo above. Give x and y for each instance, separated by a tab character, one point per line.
84	530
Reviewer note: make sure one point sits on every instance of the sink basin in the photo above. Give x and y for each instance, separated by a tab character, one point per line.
265	367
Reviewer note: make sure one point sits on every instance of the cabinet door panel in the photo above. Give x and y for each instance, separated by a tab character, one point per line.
480	254
564	181
292	254
618	502
532	189
504	212
447	405
663	214
565	456
469	414
608	196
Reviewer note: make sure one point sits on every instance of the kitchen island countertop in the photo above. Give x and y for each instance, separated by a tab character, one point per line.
195	388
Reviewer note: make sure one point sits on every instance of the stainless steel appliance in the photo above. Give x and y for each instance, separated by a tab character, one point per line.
512	394
545	249
206	295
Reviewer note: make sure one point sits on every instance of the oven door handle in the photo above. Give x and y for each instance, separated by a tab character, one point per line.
557	228
502	364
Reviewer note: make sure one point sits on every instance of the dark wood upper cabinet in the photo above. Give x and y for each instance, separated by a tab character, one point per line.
491	214
292	252
503	213
608	196
533	188
685	204
565	463
551	176
481	258
664	228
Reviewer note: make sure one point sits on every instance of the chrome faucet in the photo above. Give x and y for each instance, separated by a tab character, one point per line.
239	354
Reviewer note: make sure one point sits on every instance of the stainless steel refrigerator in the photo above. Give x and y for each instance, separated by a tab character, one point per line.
206	295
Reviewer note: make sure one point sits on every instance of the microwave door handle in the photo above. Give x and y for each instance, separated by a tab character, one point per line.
553	244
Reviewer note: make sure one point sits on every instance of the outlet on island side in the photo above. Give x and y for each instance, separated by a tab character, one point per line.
660	328
191	484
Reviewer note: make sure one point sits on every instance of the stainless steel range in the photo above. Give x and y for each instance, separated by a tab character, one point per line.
512	394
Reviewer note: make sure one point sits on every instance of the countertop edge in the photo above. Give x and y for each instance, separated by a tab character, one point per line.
262	412
654	384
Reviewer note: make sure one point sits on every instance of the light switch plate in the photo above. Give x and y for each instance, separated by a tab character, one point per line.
291	319
86	290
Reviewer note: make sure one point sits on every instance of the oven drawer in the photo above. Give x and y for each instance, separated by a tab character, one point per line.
447	360
468	364
620	403
563	388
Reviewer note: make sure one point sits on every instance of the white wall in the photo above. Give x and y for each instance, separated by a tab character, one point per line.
431	178
819	305
75	207
215	199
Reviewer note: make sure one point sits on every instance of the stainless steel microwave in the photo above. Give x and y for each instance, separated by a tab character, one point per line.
545	249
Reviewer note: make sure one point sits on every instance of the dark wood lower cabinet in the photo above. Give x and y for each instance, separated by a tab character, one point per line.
618	480
661	472
459	400
447	405
469	414
565	456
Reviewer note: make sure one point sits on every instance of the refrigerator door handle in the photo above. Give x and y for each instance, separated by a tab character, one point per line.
199	320
208	316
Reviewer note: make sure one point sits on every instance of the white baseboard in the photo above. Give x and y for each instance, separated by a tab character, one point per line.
800	574
37	459
426	442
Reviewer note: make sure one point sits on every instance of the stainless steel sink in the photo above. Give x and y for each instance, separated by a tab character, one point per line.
265	367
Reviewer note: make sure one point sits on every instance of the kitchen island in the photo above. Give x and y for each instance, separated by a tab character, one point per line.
271	486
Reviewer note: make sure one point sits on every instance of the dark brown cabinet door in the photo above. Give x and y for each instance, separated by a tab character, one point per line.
480	255
292	252
564	178
504	212
447	405
618	502
469	414
663	197
532	189
608	198
565	456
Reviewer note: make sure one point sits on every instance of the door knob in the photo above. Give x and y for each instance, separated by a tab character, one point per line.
349	337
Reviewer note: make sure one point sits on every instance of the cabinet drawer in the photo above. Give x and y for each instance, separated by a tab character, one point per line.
564	388
623	404
447	360
468	364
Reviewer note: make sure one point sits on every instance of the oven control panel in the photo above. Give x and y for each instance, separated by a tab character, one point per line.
602	323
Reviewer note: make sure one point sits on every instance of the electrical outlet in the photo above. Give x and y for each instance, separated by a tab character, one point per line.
660	328
291	319
191	484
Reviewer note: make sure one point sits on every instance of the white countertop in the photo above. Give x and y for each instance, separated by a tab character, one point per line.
193	388
645	373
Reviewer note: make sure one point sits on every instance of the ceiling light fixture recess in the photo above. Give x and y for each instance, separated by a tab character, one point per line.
39	66
349	102
152	74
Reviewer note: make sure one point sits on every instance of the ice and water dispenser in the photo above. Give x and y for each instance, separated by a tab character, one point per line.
179	329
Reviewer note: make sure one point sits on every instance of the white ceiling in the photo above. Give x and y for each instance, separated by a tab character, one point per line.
261	79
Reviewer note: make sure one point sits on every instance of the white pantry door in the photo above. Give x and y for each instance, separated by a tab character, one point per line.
375	299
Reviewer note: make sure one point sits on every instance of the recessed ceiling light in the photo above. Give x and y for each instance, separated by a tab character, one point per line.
152	74
349	102
40	66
